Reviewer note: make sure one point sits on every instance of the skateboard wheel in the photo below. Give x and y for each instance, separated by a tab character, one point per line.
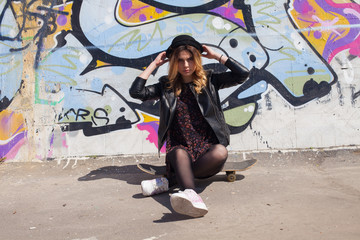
231	176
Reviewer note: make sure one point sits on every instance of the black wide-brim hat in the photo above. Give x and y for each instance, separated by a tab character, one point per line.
183	40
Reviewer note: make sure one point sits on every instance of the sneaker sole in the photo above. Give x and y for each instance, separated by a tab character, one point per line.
185	207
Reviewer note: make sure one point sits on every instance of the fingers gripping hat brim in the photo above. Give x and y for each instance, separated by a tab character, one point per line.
182	40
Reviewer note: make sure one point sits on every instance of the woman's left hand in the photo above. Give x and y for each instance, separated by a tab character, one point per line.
210	53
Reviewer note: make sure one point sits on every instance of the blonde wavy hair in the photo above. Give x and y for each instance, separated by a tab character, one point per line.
199	75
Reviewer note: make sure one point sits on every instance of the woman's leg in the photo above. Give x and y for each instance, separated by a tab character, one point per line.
211	162
180	161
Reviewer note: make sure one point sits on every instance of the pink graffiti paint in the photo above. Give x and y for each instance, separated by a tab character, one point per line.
5	120
327	24
354	47
12	146
12	133
151	128
303	7
11	154
229	12
63	140
51	151
63	137
351	40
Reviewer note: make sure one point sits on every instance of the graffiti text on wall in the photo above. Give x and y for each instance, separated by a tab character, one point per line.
88	53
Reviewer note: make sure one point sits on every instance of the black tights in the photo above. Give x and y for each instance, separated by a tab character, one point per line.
206	166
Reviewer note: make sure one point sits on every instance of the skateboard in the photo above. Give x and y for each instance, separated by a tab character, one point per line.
230	168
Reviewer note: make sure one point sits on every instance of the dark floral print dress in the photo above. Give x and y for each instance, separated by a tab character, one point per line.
189	130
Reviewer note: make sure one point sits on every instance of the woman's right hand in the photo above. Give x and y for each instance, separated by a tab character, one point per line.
161	59
157	62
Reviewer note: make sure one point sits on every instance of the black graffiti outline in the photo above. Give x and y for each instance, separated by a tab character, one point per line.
6	7
137	63
185	10
40	35
287	7
238	4
356	95
312	90
5	101
98	54
87	128
48	27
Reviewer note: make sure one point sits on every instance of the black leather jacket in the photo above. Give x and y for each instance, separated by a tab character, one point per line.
208	100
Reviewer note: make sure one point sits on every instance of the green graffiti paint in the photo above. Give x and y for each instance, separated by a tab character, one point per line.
239	116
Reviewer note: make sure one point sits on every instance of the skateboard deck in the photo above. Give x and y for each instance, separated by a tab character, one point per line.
230	168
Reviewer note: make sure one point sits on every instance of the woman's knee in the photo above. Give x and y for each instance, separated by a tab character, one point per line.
220	152
178	156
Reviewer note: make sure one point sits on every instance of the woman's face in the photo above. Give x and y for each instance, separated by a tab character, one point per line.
186	65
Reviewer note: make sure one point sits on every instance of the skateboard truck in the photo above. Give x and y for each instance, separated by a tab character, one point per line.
230	176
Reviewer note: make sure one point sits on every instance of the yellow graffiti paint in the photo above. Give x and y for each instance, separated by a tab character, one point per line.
65	8
148	118
33	25
135	12
11	124
100	63
320	21
239	15
50	40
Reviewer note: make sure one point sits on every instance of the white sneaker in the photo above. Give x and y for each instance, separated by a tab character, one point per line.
154	186
188	203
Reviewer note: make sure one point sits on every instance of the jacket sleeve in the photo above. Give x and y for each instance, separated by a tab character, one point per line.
138	90
238	74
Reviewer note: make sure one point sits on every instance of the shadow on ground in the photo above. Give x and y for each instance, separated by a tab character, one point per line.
132	175
164	198
128	173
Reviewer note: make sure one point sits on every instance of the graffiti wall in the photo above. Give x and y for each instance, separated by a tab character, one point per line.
66	68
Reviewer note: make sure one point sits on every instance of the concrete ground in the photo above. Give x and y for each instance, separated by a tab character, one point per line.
301	195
